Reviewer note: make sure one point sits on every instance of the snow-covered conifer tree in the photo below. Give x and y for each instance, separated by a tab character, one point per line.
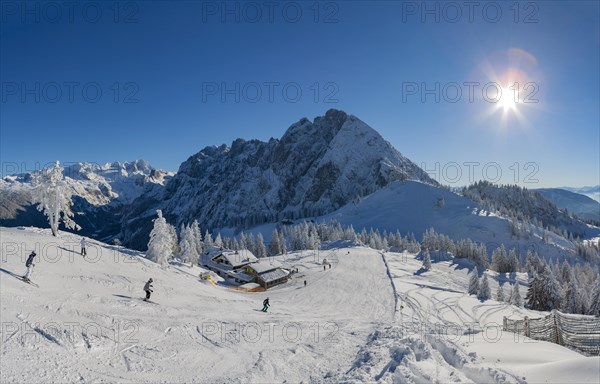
274	245
243	240
197	237
208	240
160	246
282	242
570	301
174	239
52	196
499	262
187	245
426	260
515	296
551	290
594	308
500	293
474	282
259	246
484	292
218	240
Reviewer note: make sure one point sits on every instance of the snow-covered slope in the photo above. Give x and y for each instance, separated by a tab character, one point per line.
315	168
592	192
87	323
100	195
583	206
411	206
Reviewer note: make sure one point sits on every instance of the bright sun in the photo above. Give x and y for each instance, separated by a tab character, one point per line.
507	100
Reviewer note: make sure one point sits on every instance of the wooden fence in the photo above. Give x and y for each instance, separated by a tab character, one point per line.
574	331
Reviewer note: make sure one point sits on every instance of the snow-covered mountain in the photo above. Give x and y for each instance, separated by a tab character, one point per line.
318	169
315	168
101	193
411	206
592	192
580	204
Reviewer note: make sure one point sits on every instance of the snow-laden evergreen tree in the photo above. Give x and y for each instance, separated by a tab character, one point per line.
208	240
515	296
198	237
251	244
484	292
218	241
160	246
364	238
385	246
571	300
174	239
350	234
426	260
500	294
551	290
474	282
259	247
513	262
188	245
499	262
533	298
533	263
275	245
313	241
243	240
566	272
283	242
544	292
52	196
594	307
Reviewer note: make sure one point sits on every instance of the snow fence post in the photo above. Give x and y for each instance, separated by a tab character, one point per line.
556	327
526	326
504	323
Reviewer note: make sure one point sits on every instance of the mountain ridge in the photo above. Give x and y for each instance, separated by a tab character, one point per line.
315	168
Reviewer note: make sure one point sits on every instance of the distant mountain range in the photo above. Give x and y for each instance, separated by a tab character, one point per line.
324	168
580	204
591	192
101	195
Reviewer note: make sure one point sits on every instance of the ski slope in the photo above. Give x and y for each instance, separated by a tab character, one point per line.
410	206
87	322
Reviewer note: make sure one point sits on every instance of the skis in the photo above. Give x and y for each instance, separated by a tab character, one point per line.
28	282
149	301
19	277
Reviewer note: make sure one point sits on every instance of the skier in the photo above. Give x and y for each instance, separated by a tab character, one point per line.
305	283
266	305
329	265
29	264
83	244
148	288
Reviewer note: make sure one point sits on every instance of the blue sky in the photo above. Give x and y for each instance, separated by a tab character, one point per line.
105	81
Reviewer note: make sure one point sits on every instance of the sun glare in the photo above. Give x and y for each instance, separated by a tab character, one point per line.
507	100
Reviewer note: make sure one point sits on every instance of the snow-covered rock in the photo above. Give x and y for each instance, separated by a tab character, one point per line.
315	168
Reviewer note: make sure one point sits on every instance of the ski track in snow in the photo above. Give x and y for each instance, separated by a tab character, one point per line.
346	325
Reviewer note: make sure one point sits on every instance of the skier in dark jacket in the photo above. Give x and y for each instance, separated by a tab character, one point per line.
29	264
148	289
266	305
83	244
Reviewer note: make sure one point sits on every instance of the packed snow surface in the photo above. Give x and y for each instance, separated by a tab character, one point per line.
372	317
